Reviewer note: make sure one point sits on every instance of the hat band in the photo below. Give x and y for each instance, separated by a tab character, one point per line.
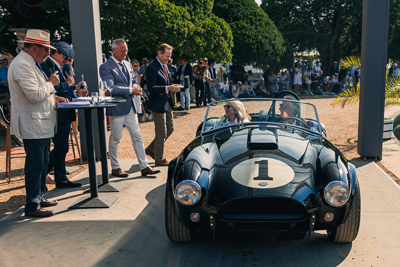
37	41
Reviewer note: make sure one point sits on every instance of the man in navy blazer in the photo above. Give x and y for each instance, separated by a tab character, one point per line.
185	70
119	70
67	89
159	85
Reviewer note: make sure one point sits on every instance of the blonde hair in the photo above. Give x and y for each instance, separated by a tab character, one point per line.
240	110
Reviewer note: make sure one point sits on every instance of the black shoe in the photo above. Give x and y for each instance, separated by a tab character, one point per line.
68	184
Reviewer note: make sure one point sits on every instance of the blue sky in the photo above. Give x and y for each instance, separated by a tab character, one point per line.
258	2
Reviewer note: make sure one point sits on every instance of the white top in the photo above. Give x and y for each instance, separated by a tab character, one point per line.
224	86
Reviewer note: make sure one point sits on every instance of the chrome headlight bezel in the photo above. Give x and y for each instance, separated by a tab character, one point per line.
335	187
188	185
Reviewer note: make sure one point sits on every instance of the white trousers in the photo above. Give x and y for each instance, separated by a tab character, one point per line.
132	125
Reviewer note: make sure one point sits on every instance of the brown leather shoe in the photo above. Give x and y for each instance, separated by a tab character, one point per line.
120	173
148	152
50	180
40	213
164	162
149	170
46	203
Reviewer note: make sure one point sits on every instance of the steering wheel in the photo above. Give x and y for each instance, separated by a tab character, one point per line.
278	95
297	119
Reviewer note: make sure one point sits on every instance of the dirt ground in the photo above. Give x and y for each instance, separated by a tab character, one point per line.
341	125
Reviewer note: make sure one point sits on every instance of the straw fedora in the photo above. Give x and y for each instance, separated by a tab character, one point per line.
38	37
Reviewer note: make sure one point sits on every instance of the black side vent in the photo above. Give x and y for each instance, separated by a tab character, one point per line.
263	146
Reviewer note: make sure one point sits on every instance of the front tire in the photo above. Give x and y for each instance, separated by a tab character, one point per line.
348	231
176	231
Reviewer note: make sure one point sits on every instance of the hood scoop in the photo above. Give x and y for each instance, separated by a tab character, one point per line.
262	139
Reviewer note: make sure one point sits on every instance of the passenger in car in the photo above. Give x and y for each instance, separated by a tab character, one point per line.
234	113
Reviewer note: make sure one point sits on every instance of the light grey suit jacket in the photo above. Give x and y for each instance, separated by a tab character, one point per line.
33	106
122	87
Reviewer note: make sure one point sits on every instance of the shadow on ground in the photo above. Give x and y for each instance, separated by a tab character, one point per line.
143	242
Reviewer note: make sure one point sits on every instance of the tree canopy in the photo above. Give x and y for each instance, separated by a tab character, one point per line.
317	24
333	28
256	39
40	14
144	24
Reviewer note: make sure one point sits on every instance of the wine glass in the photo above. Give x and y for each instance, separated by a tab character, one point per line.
110	85
105	85
103	89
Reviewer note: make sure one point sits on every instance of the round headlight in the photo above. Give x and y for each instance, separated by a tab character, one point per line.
188	192
336	193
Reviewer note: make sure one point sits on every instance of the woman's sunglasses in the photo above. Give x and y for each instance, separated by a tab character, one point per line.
227	106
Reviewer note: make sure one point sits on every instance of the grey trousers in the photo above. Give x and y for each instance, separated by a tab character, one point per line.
164	126
131	124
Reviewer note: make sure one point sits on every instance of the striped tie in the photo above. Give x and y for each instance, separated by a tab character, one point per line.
124	71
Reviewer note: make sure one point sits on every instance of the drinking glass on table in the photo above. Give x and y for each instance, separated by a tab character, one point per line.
95	97
110	85
103	89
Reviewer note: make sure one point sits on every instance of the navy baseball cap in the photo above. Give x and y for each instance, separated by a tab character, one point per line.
65	49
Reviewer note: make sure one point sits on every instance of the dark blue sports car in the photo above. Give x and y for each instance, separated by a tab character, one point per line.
261	165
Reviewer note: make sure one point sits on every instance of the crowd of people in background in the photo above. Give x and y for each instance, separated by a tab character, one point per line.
202	83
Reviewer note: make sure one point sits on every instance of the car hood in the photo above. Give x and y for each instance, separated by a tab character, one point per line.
283	166
285	142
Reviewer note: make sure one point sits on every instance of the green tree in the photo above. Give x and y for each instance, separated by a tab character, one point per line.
39	14
144	24
394	30
211	37
256	39
318	24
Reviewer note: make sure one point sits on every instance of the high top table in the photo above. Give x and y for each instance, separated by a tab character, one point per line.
96	201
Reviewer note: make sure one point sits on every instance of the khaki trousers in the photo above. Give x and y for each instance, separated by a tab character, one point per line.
164	126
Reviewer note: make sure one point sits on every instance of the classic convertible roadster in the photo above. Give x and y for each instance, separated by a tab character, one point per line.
274	171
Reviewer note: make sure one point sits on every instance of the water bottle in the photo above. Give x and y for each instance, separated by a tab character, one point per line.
83	79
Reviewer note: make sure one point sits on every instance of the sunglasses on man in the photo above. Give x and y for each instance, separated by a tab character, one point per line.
67	59
45	48
283	106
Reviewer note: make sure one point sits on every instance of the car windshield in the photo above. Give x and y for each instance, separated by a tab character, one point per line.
281	112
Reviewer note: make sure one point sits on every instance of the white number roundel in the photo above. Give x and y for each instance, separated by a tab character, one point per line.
262	173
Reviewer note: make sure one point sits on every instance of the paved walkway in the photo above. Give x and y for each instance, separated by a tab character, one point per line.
131	232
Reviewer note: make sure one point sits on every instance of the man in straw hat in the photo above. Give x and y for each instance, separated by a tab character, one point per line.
33	104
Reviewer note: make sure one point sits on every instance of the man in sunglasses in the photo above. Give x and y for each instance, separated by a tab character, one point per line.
289	110
68	89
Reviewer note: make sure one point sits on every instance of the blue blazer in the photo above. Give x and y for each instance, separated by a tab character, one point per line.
213	74
188	71
63	90
156	85
122	87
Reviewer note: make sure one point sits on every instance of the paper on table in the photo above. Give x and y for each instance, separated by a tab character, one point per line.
74	104
88	98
